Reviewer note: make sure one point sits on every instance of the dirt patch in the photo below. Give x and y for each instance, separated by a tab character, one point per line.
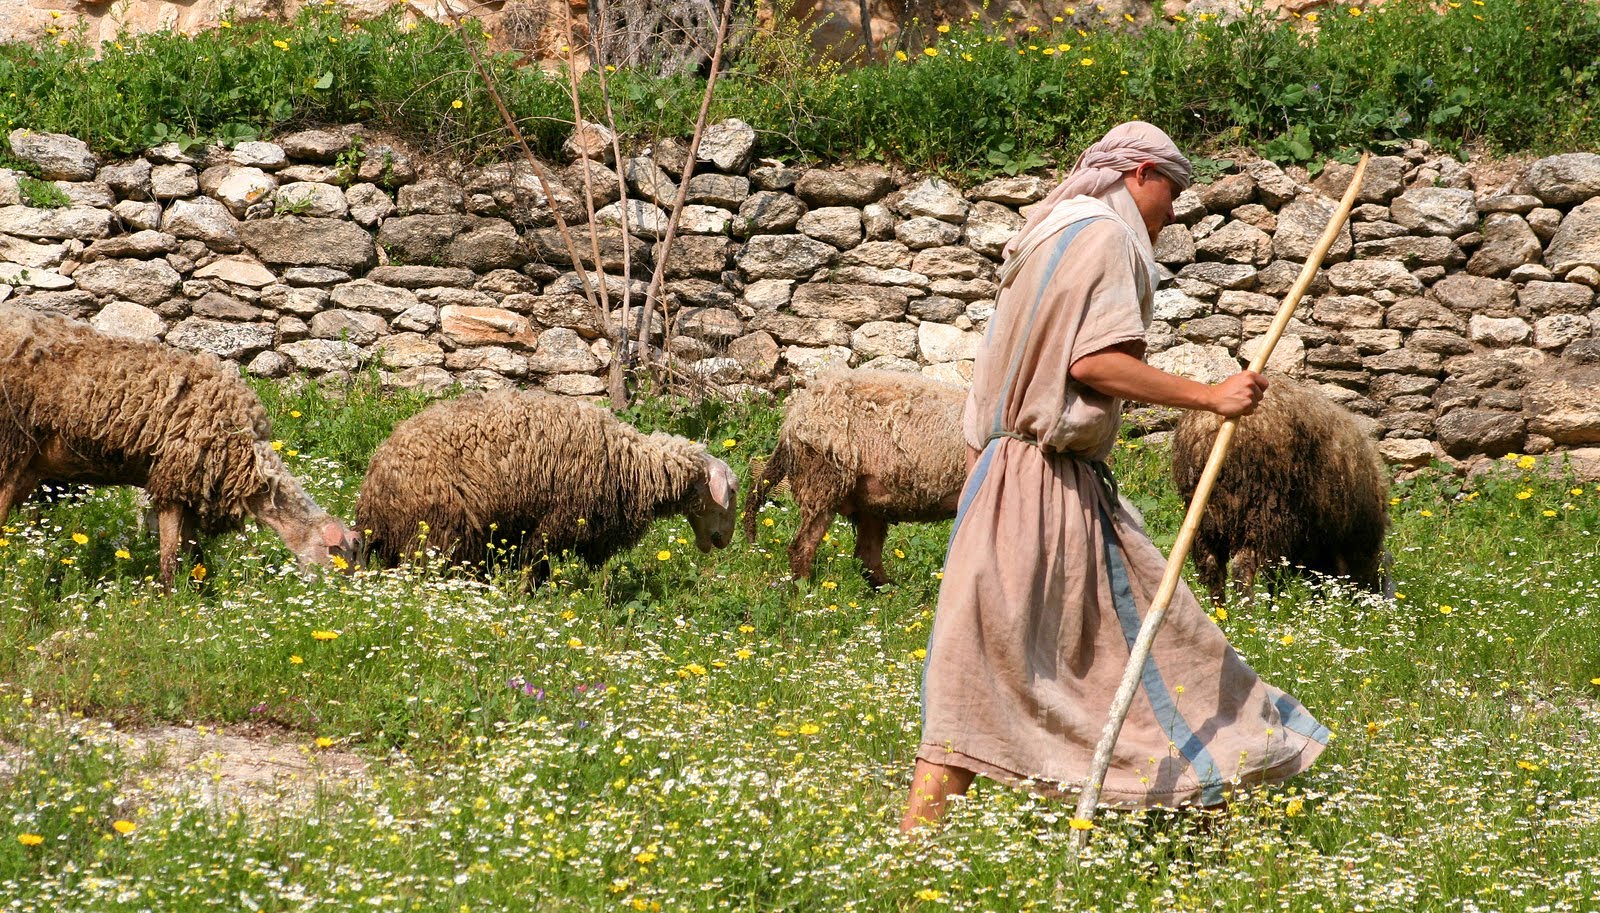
243	766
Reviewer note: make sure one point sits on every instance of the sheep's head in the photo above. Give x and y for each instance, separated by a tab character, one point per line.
315	536
711	508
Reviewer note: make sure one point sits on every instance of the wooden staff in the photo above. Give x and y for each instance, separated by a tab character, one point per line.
1140	651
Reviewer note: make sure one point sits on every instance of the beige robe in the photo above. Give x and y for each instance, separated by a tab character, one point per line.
1047	579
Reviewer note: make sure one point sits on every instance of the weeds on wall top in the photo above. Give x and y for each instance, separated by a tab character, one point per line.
988	95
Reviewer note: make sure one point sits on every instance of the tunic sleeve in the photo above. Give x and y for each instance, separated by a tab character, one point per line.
1110	312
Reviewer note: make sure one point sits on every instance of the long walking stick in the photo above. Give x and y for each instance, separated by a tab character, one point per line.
1140	651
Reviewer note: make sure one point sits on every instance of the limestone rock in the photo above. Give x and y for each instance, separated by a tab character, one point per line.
1466	432
1237	242
850	303
1363	276
361	329
474	326
301	241
140	281
1011	191
809	362
880	338
366	295
1475	295
315	145
726	191
933	198
237	271
839	226
240	188
768	212
926	231
80	223
791	330
321	201
323	356
1498	332
56	156
728	145
1206	364
1576	243
224	340
408	350
1300	226
1443	211
1564	404
784	256
848	187
1555	297
1562	180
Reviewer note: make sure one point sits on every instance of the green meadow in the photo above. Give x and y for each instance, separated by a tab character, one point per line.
679	731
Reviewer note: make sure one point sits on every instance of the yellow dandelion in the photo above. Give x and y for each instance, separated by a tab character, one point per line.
663	555
1595	680
122	554
943	29
747	629
1549	513
29	839
767	521
574	643
225	24
809	729
900	56
324	635
1128	16
830	585
1425	513
1446	610
1048	52
931	52
1526	462
123	826
1295	807
338	562
1355	10
1286	639
1086	62
296	659
1527	765
967	57
1063	47
1033	28
277	445
294	413
929	894
695	669
1311	17
456	104
80	538
644	858
919	653
1576	491
1222	614
324	742
899	554
1080	824
198	572
281	45
1524	494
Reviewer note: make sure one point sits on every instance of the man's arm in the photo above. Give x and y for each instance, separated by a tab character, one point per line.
1118	372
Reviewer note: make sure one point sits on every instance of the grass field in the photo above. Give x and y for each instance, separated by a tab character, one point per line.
677	731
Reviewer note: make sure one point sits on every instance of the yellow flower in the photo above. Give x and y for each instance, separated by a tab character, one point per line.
324	635
456	104
29	839
1595	681
1080	824
663	555
574	643
900	55
1524	494
1128	16
1057	19
277	445
695	669
324	742
1527	765
767	522
1048	52
1222	614
296	659
943	29
829	585
1311	17
1526	462
899	554
292	452
1577	491
225	24
1295	807
1286	639
338	562
929	894
1086	62
1446	610
122	553
1355	10
644	858
294	413
1033	28
1063	47
198	572
919	653
967	57
809	729
80	538
747	629
281	45
123	826
931	52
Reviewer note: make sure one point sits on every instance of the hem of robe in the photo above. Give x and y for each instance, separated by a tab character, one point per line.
1111	795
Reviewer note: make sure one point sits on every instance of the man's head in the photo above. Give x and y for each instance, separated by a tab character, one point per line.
1153	192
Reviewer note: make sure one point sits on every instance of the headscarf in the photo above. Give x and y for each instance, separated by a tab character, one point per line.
1098	170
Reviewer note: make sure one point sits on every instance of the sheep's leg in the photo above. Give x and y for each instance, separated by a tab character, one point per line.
1211	566
1245	566
871	530
14	487
177	530
803	550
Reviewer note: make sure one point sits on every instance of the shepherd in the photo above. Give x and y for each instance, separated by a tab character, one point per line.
1047	576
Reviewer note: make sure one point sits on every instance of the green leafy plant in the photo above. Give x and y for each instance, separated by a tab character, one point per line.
42	194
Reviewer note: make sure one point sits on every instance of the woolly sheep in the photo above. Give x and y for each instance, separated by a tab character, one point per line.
78	406
879	447
544	474
1302	482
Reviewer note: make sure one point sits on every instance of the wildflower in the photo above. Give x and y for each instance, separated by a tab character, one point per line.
1033	28
1355	10
1048	51
644	858
1080	824
456	104
967	57
296	659
663	555
830	585
1425	513
919	653
899	554
747	629
324	742
574	643
1549	513
123	826
1128	16
695	669
729	443
1595	681
338	562
1524	494
1295	807
929	894
29	839
122	554
281	45
277	445
931	52
900	56
80	538
225	24
1446	610
1286	639
324	635
1222	614
294	413
198	572
1527	765
943	29
1576	491
1311	17
1086	62
767	521
1063	47
743	653
1526	462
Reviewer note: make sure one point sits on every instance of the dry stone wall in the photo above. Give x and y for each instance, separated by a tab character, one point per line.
1461	320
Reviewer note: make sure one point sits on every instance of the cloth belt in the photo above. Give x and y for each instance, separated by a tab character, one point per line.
1102	471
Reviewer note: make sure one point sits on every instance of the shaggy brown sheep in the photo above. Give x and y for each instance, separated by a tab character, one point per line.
1303	482
78	406
879	447
543	474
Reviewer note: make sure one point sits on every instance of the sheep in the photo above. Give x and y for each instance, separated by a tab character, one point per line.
1303	482
545	474
879	447
79	406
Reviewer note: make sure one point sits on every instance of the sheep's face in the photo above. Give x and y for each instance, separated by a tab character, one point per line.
315	537
711	512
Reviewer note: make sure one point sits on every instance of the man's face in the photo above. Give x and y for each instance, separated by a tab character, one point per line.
1153	193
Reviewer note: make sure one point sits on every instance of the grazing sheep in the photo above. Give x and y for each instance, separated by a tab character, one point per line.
1302	482
78	406
544	474
879	447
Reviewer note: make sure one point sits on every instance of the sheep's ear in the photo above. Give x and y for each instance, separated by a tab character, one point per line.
723	483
